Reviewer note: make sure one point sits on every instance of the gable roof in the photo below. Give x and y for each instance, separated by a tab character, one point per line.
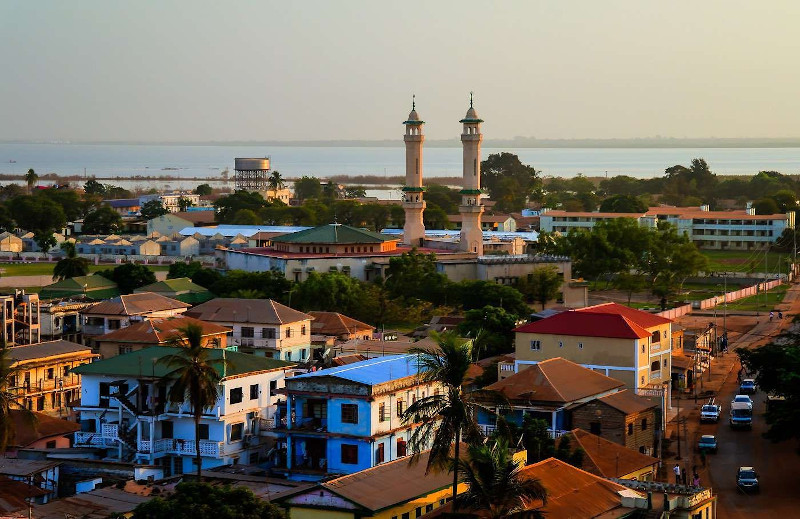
371	372
197	217
333	233
388	484
572	492
181	289
555	380
94	287
46	349
239	310
26	433
607	459
136	304
606	320
159	331
334	323
140	363
627	402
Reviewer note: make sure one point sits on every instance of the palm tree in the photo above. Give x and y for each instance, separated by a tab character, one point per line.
8	398
196	377
30	178
494	481
70	265
446	417
276	181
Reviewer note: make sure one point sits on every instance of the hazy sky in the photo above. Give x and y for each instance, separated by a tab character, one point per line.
288	70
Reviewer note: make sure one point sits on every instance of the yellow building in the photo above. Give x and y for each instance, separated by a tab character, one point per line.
623	343
393	490
45	381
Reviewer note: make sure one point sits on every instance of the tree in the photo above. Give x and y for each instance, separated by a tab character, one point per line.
39	215
153	209
494	481
192	500
414	275
229	206
629	282
622	204
31	178
494	325
103	220
9	373
776	366
129	276
536	439
355	192
275	181
307	187
184	270
765	206
184	203
70	265
508	180
245	217
203	190
446	417
478	294
93	187
542	285
196	378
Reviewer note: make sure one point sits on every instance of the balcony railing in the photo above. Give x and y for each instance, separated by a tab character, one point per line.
175	446
91	438
488	430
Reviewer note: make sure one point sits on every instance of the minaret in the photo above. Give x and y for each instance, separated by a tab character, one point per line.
413	201
471	207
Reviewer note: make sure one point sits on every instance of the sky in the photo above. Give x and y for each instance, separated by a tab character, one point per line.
331	70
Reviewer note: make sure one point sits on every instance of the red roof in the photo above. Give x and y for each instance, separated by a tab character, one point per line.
606	320
640	317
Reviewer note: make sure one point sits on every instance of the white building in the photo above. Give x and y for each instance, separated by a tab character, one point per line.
124	408
260	326
171	201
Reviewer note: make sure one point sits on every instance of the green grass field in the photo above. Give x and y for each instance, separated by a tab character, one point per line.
43	269
760	302
746	261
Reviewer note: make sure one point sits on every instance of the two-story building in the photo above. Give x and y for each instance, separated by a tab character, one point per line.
345	419
45	380
622	417
339	326
62	320
20	317
624	343
124	408
120	312
260	326
160	331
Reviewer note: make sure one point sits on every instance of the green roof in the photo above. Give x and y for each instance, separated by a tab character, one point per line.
95	287
181	289
333	233
140	363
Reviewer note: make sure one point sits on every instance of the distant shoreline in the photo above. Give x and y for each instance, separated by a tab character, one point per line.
518	142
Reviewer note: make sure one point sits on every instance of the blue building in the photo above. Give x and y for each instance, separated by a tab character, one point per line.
346	419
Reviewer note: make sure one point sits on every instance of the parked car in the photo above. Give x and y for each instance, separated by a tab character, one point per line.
747	480
707	443
747	387
710	413
743	399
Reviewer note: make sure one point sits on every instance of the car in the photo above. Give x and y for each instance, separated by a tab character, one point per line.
707	443
747	387
710	413
743	398
747	480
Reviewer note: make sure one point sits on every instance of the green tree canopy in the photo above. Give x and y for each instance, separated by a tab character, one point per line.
494	326
184	270
129	276
622	204
103	220
508	180
307	187
203	501
413	275
153	209
203	190
70	265
765	205
228	207
542	285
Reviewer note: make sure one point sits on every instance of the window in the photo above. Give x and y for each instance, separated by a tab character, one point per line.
267	333
66	371
644	424
40	403
596	428
381	412
630	429
428	508
642	347
379	453
113	324
303	354
288	355
349	413
401	448
655	366
303	330
536	345
166	429
124	349
253	391
350	454
50	445
203	431
418	511
656	336
50	373
642	380
248	331
406	516
273	385
560	344
580	345
288	332
400	407
237	395
237	431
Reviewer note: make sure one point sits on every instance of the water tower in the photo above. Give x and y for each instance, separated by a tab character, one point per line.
251	174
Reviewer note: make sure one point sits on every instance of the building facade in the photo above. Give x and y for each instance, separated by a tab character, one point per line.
122	311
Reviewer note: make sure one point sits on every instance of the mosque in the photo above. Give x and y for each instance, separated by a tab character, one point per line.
365	254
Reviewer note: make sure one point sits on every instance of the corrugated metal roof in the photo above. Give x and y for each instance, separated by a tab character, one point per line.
46	349
239	310
371	372
247	231
332	233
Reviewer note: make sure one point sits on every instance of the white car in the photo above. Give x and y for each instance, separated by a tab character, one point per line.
745	399
710	413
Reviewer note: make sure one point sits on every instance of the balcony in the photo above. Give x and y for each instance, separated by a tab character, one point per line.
91	439
488	430
181	447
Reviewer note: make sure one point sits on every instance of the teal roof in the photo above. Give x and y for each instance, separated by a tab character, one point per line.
371	372
181	289
140	363
333	233
96	287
